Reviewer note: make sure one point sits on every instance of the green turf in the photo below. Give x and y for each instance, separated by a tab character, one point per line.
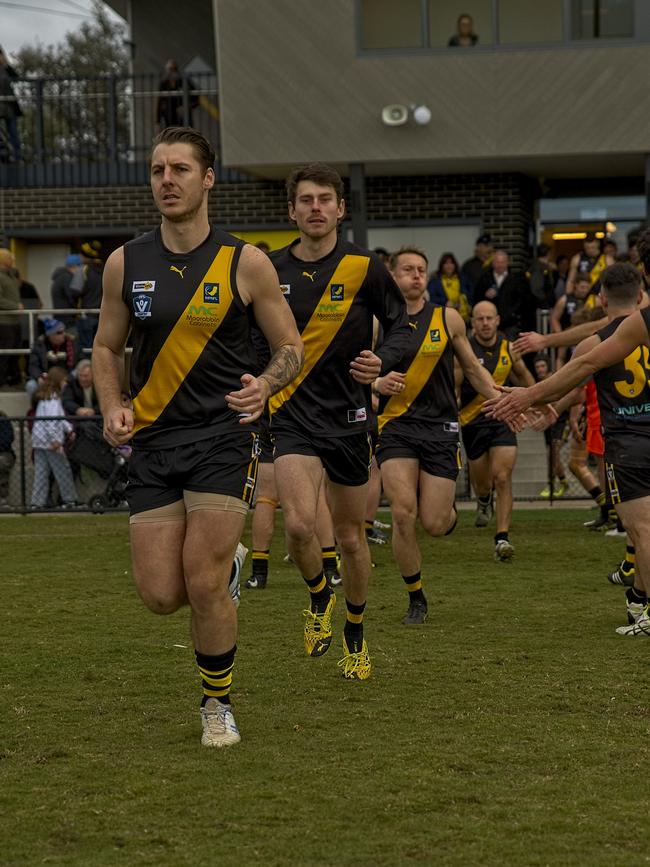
510	730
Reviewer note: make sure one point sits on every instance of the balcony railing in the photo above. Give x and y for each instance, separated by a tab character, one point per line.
97	131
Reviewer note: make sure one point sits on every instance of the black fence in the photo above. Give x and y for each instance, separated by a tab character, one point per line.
82	473
97	131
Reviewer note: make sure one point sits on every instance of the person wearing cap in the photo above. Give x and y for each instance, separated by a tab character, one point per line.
481	260
86	286
55	348
61	294
9	325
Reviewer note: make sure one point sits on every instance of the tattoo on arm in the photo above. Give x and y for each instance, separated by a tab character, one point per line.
284	366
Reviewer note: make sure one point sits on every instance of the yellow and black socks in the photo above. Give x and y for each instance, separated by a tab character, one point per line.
414	587
261	564
330	560
319	591
353	629
629	563
216	674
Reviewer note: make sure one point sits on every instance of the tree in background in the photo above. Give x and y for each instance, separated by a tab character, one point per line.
76	99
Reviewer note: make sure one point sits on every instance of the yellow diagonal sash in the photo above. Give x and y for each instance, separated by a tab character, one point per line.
419	371
597	270
320	331
501	373
185	343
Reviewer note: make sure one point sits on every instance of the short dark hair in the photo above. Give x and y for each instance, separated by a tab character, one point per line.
407	248
621	283
203	150
642	242
448	257
590	237
543	250
318	173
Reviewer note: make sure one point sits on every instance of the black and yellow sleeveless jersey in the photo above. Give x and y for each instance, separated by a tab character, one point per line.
496	359
428	396
333	301
624	400
592	267
191	338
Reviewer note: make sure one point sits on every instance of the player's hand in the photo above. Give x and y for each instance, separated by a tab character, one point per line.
507	408
118	426
575	432
250	400
540	419
366	367
529	341
392	383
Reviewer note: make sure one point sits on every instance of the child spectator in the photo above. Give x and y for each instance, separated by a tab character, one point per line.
49	433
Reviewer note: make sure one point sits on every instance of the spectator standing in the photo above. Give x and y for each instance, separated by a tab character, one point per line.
31	300
7	458
10	109
9	325
448	288
55	348
49	434
542	278
473	268
561	274
464	37
87	287
62	296
169	107
510	291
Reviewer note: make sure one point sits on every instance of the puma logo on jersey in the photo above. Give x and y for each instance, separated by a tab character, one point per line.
178	270
413	325
310	274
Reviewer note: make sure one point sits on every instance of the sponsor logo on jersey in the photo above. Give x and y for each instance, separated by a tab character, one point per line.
143	286
504	359
434	335
413	325
179	271
286	288
357	415
142	306
337	292
481	361
211	293
311	275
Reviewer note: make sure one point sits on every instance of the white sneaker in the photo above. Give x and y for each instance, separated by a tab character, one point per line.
504	550
237	564
615	533
641	626
219	726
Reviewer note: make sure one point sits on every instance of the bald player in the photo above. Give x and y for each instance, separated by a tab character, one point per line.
491	446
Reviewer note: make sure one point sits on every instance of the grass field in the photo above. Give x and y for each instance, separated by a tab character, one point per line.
511	729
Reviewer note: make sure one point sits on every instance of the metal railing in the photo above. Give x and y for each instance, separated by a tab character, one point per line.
31	316
97	130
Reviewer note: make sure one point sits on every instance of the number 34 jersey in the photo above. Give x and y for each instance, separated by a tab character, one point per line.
624	400
333	301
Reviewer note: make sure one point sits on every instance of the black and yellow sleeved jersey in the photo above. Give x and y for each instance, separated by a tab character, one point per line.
191	338
624	400
497	360
428	397
333	301
592	267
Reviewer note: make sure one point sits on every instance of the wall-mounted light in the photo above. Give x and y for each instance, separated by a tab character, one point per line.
397	114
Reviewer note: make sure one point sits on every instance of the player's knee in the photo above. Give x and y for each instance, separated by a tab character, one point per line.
162	601
502	478
575	467
436	524
299	529
350	539
403	516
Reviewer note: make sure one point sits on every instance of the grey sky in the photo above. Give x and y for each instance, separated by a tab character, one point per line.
46	21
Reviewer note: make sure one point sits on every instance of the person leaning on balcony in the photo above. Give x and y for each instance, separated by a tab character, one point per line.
9	325
60	291
169	106
55	348
86	285
464	36
10	110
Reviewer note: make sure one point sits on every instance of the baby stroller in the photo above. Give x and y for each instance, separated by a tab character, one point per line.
112	497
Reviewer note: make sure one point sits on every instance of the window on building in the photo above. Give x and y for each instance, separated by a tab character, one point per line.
602	19
443	18
417	24
527	21
386	24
